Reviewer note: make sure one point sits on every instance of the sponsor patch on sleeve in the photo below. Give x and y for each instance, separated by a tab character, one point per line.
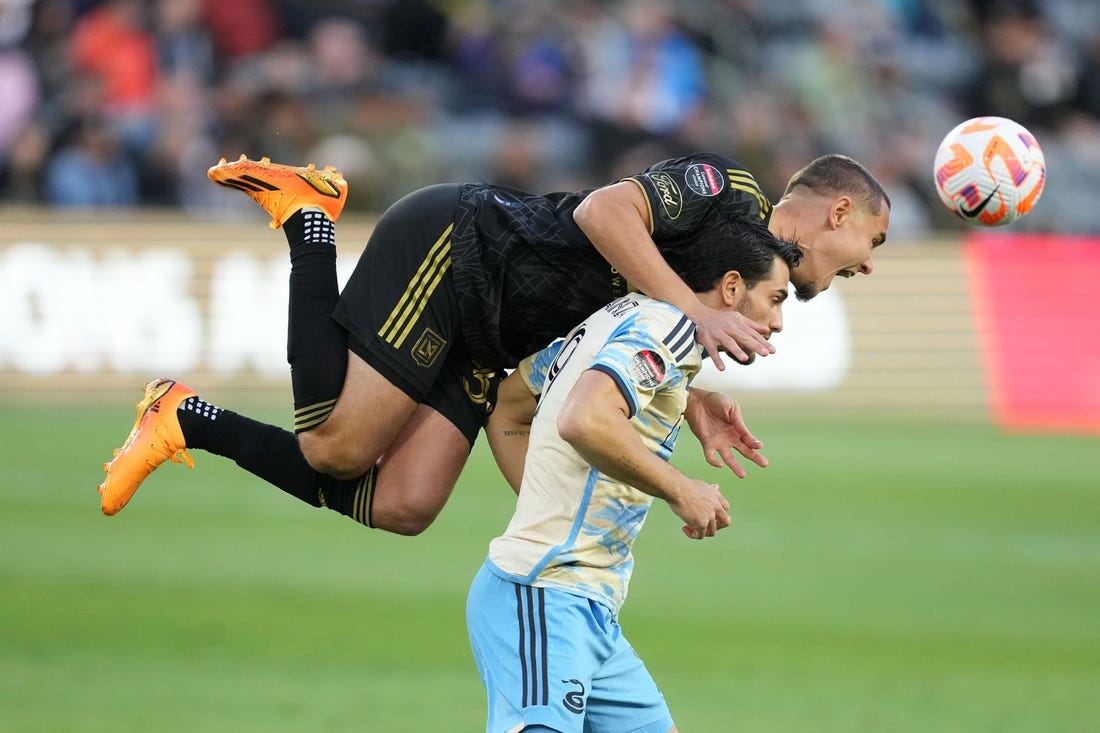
647	368
704	179
672	201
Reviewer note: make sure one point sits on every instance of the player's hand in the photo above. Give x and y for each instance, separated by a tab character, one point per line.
716	420
703	509
732	332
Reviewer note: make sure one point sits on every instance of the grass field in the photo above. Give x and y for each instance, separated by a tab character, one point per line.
877	578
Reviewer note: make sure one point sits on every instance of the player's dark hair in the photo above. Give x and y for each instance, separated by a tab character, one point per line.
837	175
728	243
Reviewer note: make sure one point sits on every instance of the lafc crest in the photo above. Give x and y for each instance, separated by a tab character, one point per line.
428	348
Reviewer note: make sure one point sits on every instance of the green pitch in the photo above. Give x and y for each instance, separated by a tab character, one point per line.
876	578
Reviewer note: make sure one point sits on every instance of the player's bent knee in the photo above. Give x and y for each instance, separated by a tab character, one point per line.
333	457
407	506
403	519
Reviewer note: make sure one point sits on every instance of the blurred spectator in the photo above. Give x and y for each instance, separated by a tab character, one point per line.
1087	97
241	28
47	43
644	78
15	20
345	67
185	73
1026	73
91	169
112	45
413	29
22	172
19	86
185	48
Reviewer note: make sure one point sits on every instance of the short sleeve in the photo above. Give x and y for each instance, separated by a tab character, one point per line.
640	357
682	192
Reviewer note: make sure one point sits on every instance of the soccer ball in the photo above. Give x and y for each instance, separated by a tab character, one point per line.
990	171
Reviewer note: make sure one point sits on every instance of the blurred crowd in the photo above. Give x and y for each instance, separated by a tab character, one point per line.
128	102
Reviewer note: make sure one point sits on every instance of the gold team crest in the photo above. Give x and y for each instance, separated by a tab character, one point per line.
427	348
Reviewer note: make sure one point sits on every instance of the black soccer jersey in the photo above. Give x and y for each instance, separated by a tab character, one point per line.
525	273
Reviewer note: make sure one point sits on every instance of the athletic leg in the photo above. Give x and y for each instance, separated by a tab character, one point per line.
398	307
415	478
413	481
316	345
345	410
403	492
419	469
402	331
400	312
365	421
306	203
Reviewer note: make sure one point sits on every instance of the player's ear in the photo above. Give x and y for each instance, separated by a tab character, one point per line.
732	288
840	210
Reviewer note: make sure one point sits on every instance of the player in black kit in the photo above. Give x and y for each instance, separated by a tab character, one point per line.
394	376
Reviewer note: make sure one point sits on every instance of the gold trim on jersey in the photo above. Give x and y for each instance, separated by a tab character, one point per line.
648	205
742	180
411	304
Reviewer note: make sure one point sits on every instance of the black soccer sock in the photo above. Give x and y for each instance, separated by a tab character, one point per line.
266	451
316	345
203	423
273	454
353	498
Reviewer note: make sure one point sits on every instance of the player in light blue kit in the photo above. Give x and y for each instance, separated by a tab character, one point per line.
542	612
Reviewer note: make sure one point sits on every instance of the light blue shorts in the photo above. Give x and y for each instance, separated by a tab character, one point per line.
551	658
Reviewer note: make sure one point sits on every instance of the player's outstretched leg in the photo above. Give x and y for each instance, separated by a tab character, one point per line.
155	438
284	189
171	419
307	201
413	485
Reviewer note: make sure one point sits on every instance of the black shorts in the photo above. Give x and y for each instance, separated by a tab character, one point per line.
400	309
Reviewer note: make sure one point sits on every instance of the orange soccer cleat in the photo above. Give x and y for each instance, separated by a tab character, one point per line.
284	189
155	438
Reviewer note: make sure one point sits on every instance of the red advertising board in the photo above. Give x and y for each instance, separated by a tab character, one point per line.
1036	299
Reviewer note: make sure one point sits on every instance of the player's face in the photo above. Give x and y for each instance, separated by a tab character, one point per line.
763	302
840	246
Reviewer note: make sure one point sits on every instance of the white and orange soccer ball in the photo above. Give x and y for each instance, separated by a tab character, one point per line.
990	171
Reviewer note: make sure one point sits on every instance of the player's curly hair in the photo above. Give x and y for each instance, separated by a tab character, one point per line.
725	243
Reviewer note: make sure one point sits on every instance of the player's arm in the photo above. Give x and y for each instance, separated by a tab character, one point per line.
717	422
508	429
595	420
617	220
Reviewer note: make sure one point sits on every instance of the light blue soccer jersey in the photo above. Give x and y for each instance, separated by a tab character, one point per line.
574	527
